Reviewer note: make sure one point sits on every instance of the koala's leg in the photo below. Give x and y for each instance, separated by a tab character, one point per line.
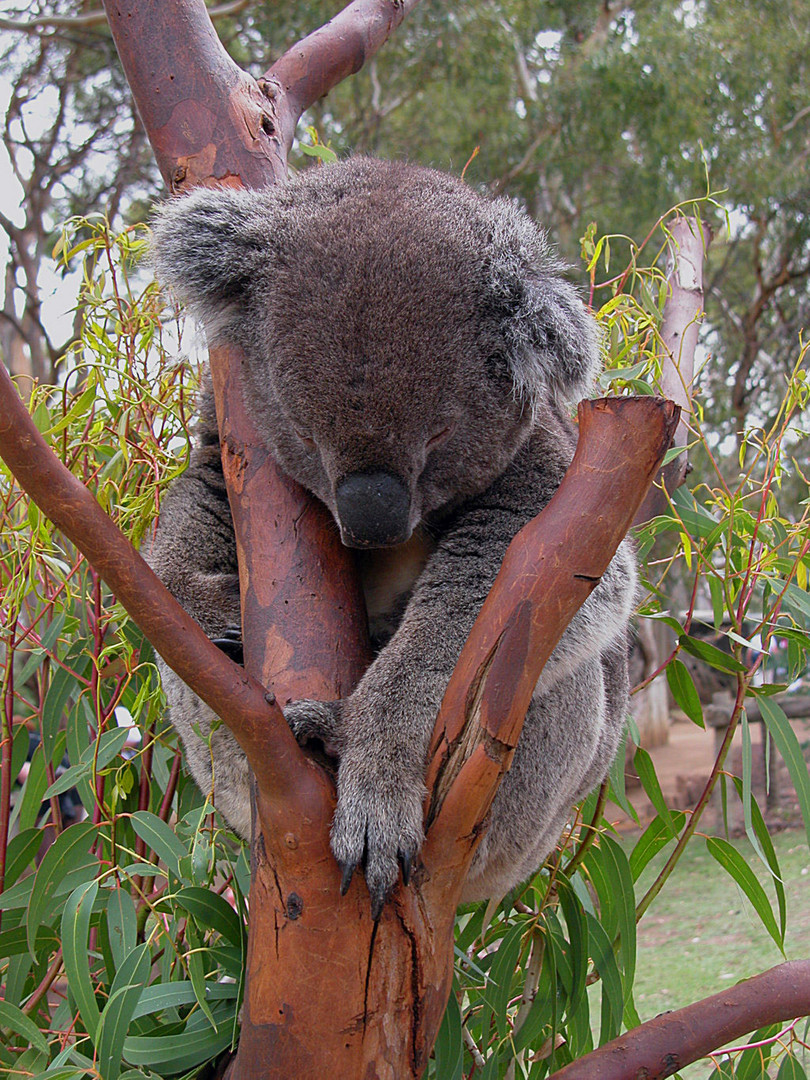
194	554
568	742
385	725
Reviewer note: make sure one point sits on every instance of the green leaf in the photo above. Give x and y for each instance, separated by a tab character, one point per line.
617	780
65	681
15	942
109	745
68	852
788	745
449	1048
752	1062
115	1019
682	686
578	935
790	1069
75	931
798	599
19	746
15	1020
710	654
177	1053
619	874
160	838
196	970
22	849
30	805
162	996
63	1072
656	836
502	974
211	910
718	601
612	992
767	851
122	923
649	781
731	860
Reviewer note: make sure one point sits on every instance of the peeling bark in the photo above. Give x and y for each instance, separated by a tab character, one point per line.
683	311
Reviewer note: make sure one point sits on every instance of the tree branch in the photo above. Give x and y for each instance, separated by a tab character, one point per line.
670	1042
333	52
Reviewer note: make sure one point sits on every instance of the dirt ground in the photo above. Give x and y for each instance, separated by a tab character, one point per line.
683	766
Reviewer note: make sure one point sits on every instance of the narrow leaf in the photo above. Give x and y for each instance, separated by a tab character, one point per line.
731	860
710	654
649	781
449	1050
66	853
656	836
15	1020
788	746
683	690
211	910
75	930
160	838
115	1020
121	923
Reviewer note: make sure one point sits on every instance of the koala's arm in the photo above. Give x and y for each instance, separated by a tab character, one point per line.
383	729
194	549
194	554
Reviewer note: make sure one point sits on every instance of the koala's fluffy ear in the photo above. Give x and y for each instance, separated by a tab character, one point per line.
552	340
209	246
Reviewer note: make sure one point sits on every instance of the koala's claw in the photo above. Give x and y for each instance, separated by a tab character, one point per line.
231	644
406	865
346	875
378	899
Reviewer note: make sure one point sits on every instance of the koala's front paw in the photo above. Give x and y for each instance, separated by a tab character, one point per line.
316	720
378	822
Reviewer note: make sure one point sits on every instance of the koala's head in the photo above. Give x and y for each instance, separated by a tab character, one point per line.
402	333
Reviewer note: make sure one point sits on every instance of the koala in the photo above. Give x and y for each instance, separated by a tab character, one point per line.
410	347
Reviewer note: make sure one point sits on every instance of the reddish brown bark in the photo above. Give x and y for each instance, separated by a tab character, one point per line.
541	585
670	1042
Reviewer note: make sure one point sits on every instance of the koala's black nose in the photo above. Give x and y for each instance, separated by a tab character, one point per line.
372	510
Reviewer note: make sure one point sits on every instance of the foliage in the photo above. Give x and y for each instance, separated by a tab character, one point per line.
122	945
122	942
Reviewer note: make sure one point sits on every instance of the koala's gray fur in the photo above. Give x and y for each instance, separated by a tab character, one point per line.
402	332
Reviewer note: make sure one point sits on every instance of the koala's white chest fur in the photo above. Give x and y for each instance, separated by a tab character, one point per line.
387	576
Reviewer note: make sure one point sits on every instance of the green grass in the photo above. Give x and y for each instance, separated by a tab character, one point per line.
702	935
